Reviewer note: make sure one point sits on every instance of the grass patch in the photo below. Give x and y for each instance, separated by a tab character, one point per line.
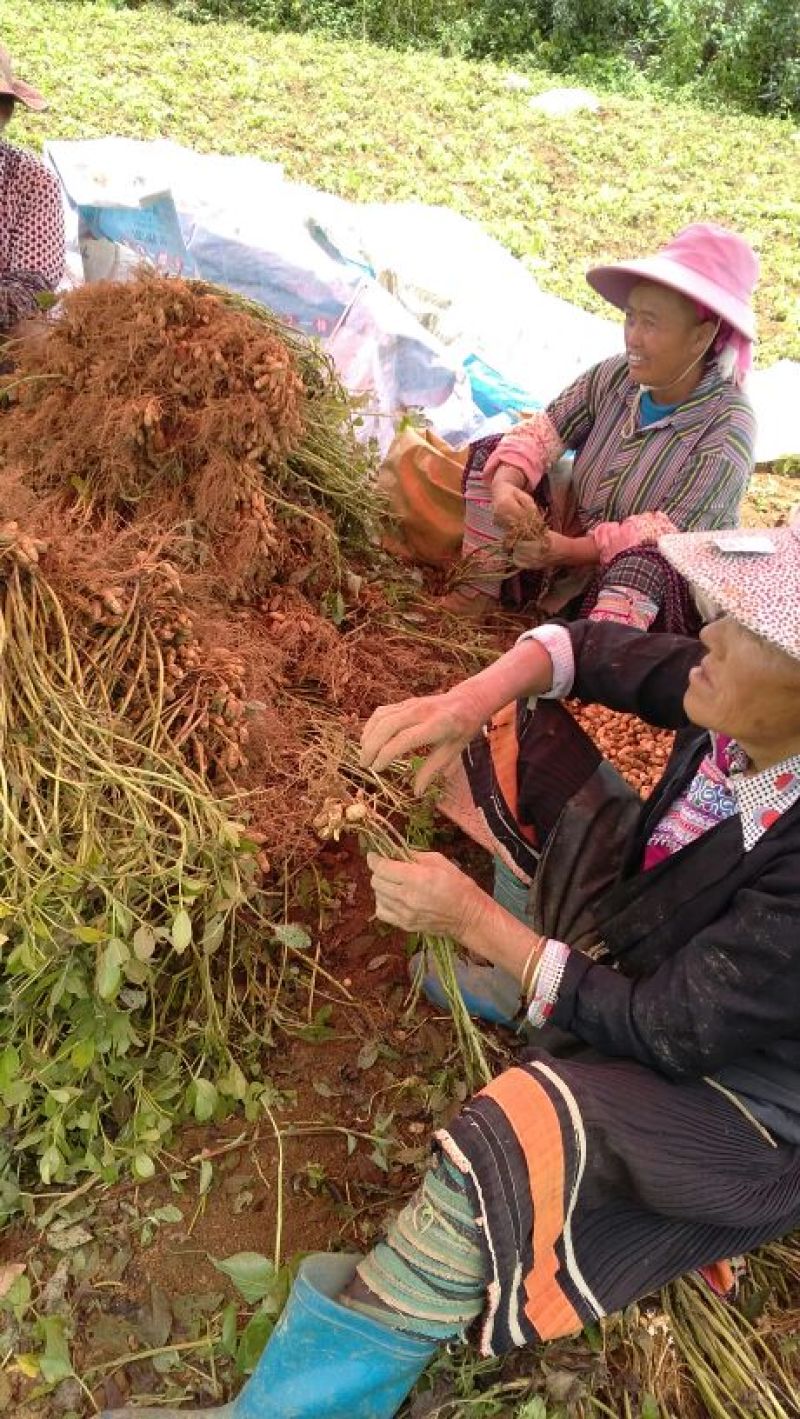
375	125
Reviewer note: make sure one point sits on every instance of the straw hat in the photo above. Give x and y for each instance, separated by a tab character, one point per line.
15	88
753	576
705	262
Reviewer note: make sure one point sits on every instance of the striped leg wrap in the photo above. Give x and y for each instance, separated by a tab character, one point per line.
428	1275
481	534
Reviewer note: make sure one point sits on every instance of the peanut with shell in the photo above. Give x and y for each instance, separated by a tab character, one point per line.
637	750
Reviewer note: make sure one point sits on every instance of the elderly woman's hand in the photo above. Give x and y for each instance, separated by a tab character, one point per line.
447	722
510	504
429	895
555	550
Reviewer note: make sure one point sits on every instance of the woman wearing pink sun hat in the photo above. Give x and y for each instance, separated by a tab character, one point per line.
31	215
663	440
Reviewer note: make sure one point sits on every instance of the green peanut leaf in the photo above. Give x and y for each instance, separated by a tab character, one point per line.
9	1065
143	1166
254	1337
181	931
205	1099
82	1054
252	1274
109	968
144	943
293	935
54	1364
49	1164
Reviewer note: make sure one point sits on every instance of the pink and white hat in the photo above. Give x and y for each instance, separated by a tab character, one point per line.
753	575
16	88
705	262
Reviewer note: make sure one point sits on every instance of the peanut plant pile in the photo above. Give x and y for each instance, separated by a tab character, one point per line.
180	484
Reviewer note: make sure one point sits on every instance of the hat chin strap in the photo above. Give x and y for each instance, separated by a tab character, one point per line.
632	421
679	378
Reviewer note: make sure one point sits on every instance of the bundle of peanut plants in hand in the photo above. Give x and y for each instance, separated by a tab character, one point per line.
369	816
529	525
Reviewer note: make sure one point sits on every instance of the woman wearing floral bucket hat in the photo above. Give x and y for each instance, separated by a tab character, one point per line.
31	215
663	439
654	1128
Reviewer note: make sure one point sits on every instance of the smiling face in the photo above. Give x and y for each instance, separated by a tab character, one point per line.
748	689
663	339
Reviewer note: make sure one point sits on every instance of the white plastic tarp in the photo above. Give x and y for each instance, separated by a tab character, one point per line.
418	306
243	226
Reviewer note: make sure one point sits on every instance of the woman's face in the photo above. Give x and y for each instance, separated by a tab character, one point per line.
748	689
662	335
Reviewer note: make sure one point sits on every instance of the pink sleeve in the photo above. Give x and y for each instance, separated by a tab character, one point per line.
533	447
611	538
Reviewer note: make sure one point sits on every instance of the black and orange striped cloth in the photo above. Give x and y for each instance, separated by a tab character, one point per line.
596	1181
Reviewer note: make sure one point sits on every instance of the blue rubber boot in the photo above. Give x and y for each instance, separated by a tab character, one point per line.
488	992
322	1361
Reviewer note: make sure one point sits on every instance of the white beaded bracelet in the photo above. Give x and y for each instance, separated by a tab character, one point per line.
547	982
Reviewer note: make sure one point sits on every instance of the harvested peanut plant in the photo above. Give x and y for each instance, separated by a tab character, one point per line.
361	815
174	466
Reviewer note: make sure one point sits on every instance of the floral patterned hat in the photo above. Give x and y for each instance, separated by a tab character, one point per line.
752	575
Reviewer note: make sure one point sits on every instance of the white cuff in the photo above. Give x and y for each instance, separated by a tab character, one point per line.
548	979
558	644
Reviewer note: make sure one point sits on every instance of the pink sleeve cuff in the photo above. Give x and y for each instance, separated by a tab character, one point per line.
533	447
611	538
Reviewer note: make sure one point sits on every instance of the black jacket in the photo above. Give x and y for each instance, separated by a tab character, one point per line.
707	943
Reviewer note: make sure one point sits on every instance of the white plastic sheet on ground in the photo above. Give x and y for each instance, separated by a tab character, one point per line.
419	308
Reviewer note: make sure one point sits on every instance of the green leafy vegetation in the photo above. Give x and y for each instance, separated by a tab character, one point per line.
745	54
375	125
